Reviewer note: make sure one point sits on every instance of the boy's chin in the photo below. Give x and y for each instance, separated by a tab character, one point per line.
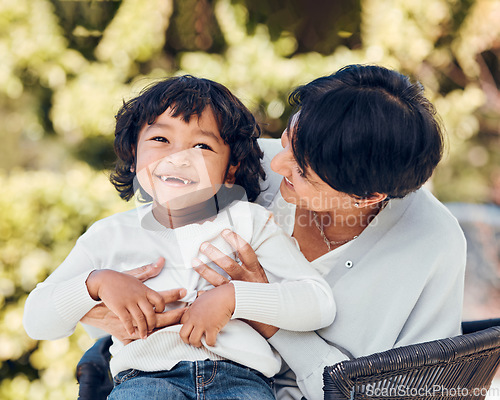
198	200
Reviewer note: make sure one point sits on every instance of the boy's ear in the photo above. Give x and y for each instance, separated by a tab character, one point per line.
132	167
231	172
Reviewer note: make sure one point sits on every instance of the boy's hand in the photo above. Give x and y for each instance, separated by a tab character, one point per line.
207	315
126	296
101	317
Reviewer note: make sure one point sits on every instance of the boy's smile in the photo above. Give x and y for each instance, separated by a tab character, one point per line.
182	165
178	176
175	180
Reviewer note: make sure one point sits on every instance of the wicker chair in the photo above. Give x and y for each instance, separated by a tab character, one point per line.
467	362
461	367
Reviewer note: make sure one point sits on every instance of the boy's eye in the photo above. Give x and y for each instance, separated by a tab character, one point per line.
202	146
159	139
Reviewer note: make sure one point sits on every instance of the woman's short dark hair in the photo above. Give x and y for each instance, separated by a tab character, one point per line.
188	96
366	130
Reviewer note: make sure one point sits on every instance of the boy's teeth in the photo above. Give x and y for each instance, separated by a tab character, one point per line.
166	178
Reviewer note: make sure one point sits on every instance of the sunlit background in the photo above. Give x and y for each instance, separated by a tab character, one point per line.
66	66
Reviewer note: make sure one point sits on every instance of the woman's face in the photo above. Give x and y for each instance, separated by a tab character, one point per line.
305	188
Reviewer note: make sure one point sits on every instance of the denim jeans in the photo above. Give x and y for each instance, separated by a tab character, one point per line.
198	380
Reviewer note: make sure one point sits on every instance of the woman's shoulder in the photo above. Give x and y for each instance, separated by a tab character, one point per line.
424	216
433	211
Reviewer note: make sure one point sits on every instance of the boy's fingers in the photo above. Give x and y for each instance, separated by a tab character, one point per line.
195	337
140	321
147	271
150	315
207	273
126	320
211	337
185	332
231	267
156	300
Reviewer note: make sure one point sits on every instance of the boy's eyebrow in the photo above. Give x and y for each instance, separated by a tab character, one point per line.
168	126
210	134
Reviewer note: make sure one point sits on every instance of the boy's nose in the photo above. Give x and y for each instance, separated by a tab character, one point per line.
179	159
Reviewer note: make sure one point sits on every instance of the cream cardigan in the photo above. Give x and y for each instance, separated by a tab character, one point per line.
400	282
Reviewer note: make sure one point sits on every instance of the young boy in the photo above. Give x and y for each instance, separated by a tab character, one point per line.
187	145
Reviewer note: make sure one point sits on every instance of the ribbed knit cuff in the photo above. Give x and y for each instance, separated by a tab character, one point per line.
256	301
72	300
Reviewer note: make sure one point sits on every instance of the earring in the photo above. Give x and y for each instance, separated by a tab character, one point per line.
132	168
356	205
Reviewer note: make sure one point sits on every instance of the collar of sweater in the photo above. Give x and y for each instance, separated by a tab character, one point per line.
186	232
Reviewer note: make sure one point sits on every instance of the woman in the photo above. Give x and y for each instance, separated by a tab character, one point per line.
353	160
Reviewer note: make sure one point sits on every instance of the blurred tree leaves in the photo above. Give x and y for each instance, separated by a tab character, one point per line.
42	213
66	71
67	65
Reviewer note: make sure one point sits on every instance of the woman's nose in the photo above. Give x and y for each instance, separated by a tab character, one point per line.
281	163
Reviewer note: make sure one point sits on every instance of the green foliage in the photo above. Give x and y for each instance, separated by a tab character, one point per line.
68	65
41	216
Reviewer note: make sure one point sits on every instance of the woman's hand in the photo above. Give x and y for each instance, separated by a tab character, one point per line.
101	317
207	315
249	270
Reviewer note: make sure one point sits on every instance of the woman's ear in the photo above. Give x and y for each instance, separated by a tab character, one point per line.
231	174
374	199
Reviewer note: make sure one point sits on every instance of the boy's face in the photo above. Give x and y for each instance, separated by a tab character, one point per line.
179	164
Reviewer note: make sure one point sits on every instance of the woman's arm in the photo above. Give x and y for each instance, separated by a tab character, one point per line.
305	352
297	297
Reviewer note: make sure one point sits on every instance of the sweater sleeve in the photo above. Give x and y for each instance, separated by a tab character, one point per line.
297	297
55	306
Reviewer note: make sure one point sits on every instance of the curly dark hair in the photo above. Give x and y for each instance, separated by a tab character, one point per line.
188	96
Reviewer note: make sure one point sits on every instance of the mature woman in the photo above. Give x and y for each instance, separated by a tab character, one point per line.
351	168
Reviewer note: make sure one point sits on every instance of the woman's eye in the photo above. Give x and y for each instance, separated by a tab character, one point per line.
202	146
300	171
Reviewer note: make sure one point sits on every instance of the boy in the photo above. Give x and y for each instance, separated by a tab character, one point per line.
187	145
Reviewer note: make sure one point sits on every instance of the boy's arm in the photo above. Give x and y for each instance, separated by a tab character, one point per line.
55	306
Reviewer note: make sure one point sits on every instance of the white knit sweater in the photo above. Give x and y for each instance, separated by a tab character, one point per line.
297	298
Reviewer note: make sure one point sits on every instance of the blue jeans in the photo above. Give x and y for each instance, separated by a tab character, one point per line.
198	380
